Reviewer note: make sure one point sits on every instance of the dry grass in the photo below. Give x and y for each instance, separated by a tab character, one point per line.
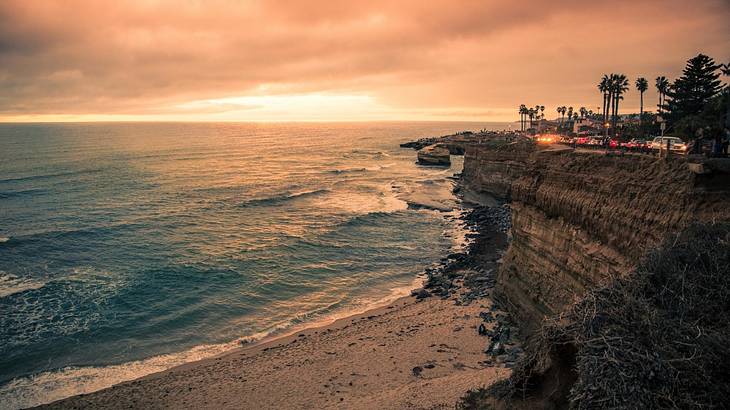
658	338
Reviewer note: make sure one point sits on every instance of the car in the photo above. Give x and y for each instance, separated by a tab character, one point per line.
636	144
595	141
675	144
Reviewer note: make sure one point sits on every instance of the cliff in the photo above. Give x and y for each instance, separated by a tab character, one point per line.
611	319
580	219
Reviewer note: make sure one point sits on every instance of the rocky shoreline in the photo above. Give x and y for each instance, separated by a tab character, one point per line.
470	276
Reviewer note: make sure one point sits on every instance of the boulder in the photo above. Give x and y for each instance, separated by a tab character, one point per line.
420	293
434	155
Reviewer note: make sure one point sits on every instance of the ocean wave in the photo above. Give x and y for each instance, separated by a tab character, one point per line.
11	284
92	231
21	193
277	199
366	152
49	176
371	168
4	239
54	385
430	205
49	386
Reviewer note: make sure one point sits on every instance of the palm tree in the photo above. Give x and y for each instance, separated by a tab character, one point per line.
523	116
531	114
662	85
641	85
570	117
605	87
620	85
561	120
561	111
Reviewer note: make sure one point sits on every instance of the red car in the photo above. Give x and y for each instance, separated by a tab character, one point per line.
636	144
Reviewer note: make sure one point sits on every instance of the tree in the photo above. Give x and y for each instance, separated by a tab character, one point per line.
531	115
619	85
560	113
523	116
569	118
662	86
692	91
641	85
604	87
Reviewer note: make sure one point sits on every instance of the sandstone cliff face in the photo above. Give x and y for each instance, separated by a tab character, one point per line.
581	219
492	169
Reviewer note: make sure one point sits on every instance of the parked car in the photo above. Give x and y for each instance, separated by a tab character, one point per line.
595	141
675	144
636	144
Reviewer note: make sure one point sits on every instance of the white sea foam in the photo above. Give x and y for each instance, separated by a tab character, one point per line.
55	385
11	284
4	239
382	200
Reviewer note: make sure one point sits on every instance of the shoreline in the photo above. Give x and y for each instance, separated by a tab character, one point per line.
451	319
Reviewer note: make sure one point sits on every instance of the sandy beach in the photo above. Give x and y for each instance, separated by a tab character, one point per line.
414	353
418	354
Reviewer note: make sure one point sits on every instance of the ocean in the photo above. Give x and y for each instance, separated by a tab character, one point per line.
129	248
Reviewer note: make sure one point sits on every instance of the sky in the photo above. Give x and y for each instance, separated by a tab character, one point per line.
325	60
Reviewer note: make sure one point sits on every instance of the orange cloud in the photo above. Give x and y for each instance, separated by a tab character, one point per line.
410	59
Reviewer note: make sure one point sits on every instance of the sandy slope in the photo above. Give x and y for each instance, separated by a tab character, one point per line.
365	361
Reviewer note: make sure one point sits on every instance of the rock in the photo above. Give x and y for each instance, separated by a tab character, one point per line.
420	293
482	330
486	316
417	371
495	349
434	155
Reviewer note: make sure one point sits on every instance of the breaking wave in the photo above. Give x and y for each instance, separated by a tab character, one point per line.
278	199
11	284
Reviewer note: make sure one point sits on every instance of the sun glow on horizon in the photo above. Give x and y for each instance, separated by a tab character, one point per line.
312	107
294	107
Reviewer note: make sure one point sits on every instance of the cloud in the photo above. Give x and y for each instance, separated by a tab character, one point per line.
151	57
